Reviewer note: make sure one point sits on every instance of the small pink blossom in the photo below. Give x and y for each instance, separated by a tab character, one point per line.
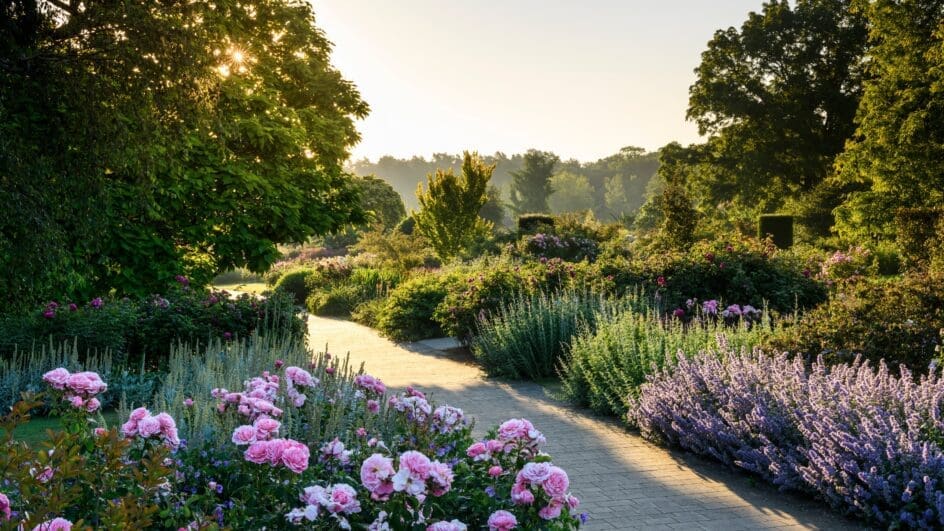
495	471
188	402
5	511
93	405
552	510
373	406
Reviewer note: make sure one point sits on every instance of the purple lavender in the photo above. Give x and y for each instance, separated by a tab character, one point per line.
866	441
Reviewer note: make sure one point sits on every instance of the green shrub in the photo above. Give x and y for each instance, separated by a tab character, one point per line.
298	283
407	314
607	365
368	312
337	300
526	336
237	276
779	228
134	330
743	271
915	228
896	320
406	226
532	223
474	294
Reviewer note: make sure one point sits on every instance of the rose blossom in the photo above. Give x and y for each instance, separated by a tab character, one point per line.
5	511
556	483
454	525
495	471
257	452
56	524
552	510
57	378
295	457
244	435
376	475
373	406
535	472
149	426
502	521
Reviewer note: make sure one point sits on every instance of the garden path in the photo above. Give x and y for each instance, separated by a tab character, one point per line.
623	481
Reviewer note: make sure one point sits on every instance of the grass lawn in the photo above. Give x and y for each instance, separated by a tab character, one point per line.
34	431
246	287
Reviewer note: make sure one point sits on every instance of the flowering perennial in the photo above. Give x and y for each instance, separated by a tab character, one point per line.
866	441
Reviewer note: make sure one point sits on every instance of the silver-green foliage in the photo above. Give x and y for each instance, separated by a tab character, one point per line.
332	409
526	336
606	365
22	371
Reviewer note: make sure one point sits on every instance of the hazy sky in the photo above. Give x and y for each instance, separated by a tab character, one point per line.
580	78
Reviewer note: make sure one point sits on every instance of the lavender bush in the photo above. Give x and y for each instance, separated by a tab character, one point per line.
866	441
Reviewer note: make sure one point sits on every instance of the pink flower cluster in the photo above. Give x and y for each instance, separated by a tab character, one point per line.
413	403
502	521
334	451
5	511
142	424
295	376
452	525
337	501
291	454
370	383
447	419
255	401
521	435
552	480
485	450
377	476
261	430
56	524
418	475
79	388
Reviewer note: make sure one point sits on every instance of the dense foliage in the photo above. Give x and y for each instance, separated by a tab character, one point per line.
143	140
136	331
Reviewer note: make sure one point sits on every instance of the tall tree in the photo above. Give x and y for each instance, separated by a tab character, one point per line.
449	206
531	185
199	134
777	99
895	157
572	193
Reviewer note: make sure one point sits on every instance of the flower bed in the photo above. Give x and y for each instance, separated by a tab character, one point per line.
310	443
867	442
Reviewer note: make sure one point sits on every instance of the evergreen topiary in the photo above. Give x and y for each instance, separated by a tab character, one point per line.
533	223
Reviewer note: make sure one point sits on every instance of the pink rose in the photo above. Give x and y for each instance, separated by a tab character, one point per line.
92	405
57	378
139	414
495	471
502	521
188	402
441	476
373	406
149	426
265	427
100	432
454	525
417	464
167	422
77	402
343	499
295	457
556	483
477	451
244	435
494	445
552	510
535	472
56	524
5	511
88	383
258	452
376	475
129	429
521	495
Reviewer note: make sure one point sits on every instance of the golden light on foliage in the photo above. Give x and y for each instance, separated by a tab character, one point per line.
234	60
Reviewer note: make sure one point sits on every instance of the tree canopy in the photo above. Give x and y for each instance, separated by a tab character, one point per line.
531	185
777	98
183	137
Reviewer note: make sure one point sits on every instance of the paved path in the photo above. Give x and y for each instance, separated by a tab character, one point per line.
623	481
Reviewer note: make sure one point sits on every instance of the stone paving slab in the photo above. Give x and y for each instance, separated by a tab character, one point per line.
623	481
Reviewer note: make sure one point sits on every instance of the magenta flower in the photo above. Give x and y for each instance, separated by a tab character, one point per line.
96	302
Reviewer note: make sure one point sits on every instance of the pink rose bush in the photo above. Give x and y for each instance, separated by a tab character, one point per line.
352	455
141	424
78	389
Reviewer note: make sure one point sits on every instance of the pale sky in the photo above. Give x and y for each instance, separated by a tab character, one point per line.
580	78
